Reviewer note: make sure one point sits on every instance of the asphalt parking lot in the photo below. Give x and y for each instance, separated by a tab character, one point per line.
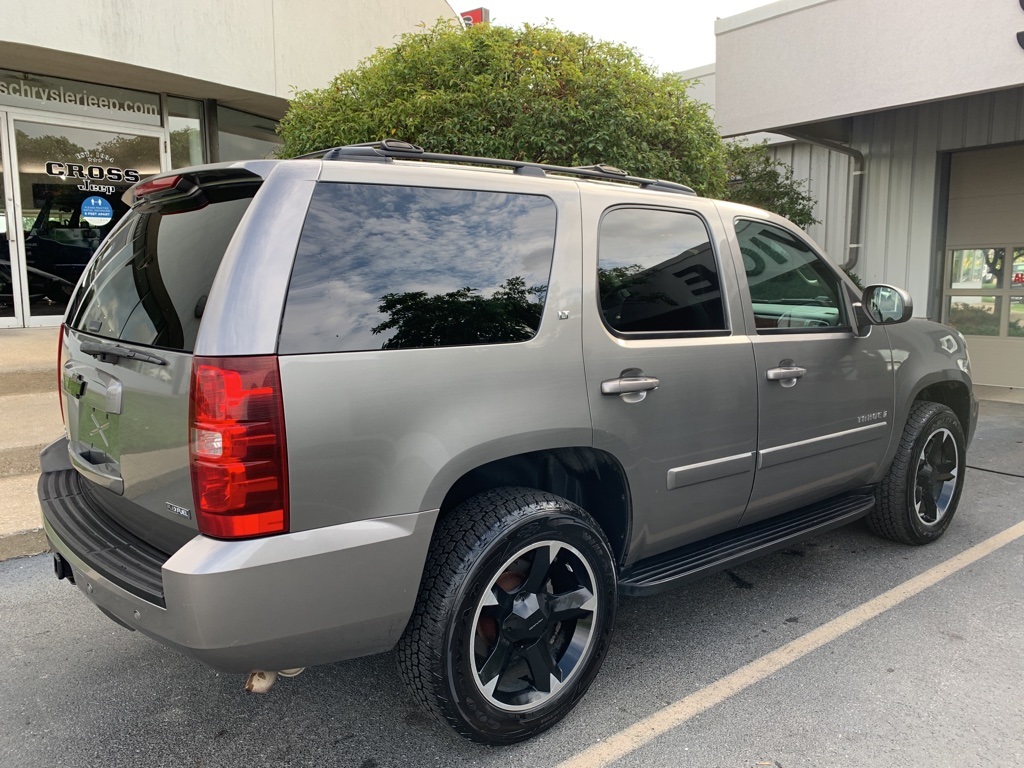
933	680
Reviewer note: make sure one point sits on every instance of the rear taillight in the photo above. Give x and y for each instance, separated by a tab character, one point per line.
60	372
152	187
236	447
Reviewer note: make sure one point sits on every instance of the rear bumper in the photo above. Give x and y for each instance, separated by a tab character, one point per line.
278	602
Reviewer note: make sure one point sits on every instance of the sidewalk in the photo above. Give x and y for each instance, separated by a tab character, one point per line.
30	413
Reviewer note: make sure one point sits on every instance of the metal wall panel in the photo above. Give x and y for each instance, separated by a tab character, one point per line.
902	148
826	175
902	233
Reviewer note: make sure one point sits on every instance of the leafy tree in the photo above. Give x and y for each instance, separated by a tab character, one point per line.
536	94
543	95
757	178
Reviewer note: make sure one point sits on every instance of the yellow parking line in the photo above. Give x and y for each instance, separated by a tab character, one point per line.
636	736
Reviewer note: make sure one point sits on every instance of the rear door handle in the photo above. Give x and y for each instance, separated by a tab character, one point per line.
786	374
632	386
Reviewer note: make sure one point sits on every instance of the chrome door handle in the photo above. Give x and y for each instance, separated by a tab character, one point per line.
629	384
632	386
786	374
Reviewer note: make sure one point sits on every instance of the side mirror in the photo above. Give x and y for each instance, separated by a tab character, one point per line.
886	305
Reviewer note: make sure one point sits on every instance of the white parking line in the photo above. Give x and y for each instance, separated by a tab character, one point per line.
652	726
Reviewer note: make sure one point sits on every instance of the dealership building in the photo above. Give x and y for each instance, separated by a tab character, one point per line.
95	95
907	121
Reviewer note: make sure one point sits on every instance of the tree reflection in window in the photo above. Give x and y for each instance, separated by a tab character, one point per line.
657	273
512	313
392	267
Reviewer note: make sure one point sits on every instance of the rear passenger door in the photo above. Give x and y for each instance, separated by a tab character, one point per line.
423	337
825	395
670	381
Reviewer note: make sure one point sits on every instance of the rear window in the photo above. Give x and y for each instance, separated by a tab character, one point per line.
389	267
148	282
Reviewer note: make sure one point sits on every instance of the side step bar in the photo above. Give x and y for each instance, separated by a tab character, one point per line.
670	569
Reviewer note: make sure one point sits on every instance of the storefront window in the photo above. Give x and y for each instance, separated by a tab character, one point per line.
975	315
185	125
976	268
984	291
71	181
242	136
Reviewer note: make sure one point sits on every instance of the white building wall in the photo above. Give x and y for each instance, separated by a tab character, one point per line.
800	61
246	53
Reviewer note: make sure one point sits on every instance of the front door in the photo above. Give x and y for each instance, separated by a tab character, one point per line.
10	277
66	198
825	396
669	370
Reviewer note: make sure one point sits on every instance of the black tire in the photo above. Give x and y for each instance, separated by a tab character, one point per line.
916	501
499	567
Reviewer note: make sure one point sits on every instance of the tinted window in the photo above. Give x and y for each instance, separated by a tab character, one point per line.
657	273
385	267
791	288
149	281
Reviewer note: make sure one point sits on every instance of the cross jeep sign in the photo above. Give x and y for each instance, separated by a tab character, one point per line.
91	175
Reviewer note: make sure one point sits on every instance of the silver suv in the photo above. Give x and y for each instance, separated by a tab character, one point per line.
379	398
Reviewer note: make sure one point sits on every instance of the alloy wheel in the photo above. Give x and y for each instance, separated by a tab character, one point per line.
937	476
534	626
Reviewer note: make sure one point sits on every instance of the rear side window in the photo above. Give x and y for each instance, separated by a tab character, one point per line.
148	282
657	273
389	267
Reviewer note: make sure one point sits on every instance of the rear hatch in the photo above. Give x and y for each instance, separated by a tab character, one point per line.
126	354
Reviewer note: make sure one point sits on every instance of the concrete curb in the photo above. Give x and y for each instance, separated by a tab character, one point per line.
27	382
23	544
20	461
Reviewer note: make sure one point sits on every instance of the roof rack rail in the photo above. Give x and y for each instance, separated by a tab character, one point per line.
387	150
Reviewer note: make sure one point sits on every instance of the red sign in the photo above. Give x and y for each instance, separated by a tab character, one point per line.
476	16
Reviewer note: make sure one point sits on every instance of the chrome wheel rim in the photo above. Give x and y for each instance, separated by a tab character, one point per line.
936	480
533	626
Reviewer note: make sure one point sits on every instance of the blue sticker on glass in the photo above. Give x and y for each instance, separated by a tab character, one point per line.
96	210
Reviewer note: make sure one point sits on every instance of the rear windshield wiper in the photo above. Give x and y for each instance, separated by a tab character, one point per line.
111	353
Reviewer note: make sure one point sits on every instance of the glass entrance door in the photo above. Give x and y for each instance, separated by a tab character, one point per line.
69	185
9	293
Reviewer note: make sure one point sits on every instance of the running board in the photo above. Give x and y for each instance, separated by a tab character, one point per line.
670	569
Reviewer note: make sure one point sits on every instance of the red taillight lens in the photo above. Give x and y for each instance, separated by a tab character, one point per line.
159	184
236	447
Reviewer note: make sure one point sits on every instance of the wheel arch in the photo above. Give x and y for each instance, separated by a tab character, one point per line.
953	394
590	478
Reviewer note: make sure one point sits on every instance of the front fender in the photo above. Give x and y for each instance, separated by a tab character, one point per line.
930	361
